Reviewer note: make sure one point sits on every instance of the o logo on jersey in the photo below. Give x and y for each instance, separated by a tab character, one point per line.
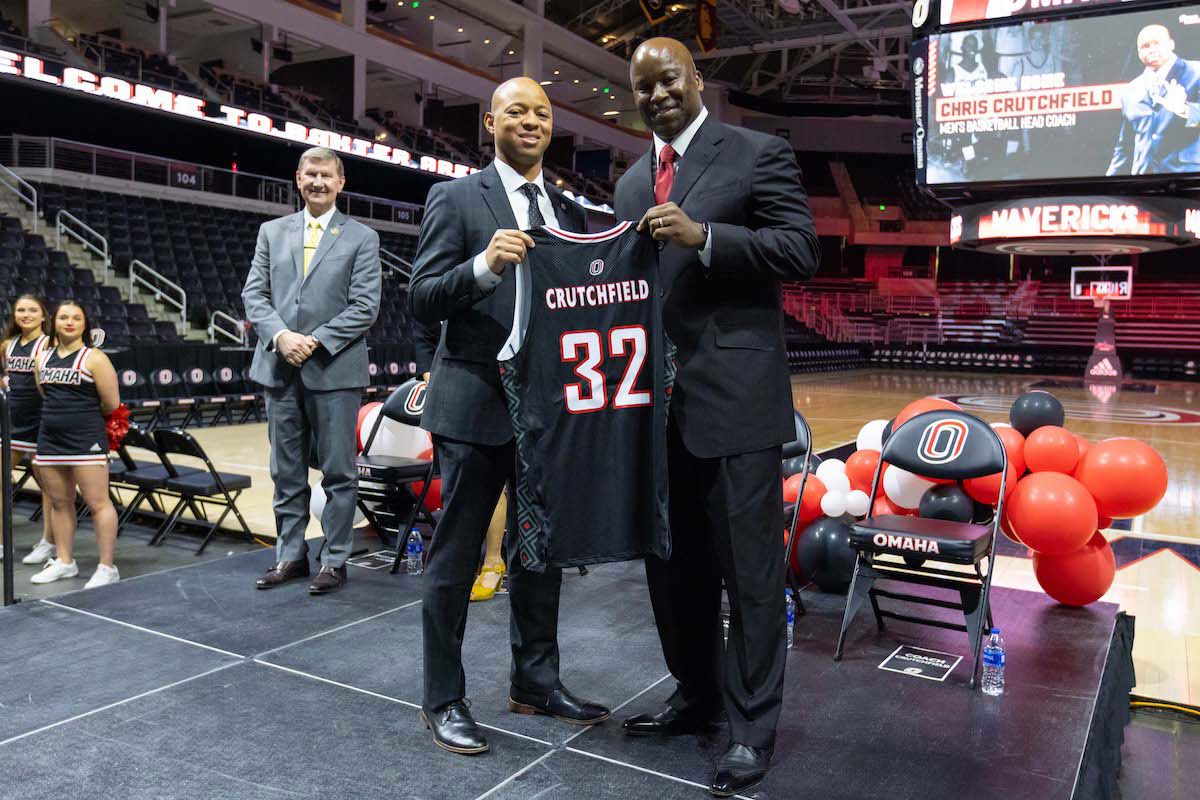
942	441
597	266
415	402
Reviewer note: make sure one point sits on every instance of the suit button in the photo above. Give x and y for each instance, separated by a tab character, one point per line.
662	292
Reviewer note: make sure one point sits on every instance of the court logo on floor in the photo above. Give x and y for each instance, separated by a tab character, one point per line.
932	665
380	559
1133	414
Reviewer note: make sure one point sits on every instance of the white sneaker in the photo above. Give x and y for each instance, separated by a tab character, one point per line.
42	552
55	570
103	576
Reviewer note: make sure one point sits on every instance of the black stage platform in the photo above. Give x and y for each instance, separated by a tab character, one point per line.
191	684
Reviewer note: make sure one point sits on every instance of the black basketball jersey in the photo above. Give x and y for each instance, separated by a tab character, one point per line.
587	377
21	361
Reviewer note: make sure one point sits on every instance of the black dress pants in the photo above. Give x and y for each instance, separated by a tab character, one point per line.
726	524
473	475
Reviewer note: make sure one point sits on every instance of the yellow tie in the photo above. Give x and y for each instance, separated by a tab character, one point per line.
310	243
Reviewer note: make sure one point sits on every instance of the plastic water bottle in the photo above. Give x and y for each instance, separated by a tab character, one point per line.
791	616
413	550
993	664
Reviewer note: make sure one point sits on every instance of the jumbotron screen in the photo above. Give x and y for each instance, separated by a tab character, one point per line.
1084	98
955	12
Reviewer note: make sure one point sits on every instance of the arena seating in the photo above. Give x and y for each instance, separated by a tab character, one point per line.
120	58
242	91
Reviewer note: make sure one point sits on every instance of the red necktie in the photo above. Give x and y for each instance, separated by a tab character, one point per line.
665	178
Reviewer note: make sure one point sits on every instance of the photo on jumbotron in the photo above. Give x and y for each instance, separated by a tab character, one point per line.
600	399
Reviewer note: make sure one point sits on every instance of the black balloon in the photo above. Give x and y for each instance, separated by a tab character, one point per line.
887	430
795	465
948	502
1034	410
825	555
983	514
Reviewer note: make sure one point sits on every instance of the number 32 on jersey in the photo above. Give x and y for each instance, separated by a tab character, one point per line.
587	350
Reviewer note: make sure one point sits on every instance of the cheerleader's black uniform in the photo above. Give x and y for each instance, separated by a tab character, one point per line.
25	403
72	432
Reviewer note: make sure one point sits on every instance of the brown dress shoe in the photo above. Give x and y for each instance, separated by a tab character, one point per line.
283	572
329	579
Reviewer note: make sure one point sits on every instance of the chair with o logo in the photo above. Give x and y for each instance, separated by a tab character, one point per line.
138	397
944	445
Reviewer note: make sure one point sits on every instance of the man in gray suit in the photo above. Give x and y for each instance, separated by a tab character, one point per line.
312	293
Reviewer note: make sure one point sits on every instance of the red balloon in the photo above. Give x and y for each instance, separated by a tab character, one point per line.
920	407
1051	449
1083	445
860	469
1014	445
1052	513
1126	476
433	499
358	429
810	502
987	489
791	487
884	507
1079	577
1104	523
1006	525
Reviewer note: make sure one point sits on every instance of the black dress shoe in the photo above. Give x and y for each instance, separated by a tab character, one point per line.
672	722
741	768
454	729
282	573
559	703
329	579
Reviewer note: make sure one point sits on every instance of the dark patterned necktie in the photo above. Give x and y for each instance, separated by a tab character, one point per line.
531	190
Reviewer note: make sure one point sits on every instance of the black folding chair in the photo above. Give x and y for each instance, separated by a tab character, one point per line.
385	483
800	446
199	489
937	444
136	394
146	478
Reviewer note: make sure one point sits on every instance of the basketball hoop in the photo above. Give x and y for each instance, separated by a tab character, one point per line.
1102	302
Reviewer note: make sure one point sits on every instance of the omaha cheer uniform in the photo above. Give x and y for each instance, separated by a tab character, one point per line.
586	379
25	403
72	432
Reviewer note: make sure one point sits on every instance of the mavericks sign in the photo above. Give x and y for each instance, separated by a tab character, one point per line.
49	73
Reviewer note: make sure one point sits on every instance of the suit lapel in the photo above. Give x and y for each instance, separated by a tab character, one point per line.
643	185
700	153
563	210
329	238
296	241
496	198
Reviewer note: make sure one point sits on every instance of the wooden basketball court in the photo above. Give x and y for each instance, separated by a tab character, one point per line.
1158	558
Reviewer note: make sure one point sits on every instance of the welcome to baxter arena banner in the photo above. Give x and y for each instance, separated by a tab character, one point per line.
31	69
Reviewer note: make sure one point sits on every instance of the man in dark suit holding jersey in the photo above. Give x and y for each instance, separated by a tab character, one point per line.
472	236
730	209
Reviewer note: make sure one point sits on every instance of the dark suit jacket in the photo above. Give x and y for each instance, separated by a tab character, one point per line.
465	400
1152	139
732	392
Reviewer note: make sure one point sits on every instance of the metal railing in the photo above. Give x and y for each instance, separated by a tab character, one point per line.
394	263
143	275
77	229
39	152
23	189
235	330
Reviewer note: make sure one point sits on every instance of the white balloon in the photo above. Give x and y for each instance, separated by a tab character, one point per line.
393	438
857	502
903	488
837	482
833	504
870	437
832	466
317	501
1001	425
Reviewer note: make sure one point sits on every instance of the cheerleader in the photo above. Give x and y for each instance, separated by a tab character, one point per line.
80	388
24	342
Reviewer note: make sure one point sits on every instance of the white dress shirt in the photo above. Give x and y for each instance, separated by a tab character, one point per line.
519	203
323	221
680	146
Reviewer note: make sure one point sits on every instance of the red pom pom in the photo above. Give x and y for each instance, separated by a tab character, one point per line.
116	425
